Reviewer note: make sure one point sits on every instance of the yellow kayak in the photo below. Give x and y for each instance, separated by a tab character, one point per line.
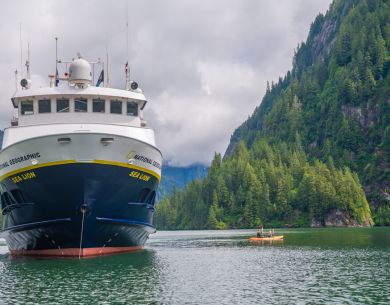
276	237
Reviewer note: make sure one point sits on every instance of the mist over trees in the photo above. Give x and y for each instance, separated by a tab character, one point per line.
320	136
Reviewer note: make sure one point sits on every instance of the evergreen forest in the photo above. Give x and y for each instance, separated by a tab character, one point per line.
316	151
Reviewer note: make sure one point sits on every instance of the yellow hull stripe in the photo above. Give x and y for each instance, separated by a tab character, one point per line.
20	170
128	166
105	162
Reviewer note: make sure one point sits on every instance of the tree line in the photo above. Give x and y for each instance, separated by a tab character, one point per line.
269	185
337	96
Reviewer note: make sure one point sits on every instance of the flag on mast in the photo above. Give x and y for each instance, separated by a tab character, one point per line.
57	80
100	79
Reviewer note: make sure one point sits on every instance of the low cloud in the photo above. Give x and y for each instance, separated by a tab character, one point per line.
203	65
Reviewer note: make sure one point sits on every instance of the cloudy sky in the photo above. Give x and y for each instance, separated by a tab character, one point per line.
203	65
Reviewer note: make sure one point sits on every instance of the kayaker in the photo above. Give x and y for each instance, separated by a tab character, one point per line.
270	233
258	233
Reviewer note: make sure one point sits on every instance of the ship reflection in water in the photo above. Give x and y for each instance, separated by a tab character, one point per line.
316	266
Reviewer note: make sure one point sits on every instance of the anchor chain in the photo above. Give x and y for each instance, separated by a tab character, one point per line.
83	210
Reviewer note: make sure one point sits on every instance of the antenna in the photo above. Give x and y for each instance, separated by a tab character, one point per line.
93	63
107	78
127	68
56	73
127	30
28	61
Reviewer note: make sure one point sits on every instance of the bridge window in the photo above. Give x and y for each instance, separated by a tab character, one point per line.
44	106
98	105
80	105
132	108
116	107
26	107
63	105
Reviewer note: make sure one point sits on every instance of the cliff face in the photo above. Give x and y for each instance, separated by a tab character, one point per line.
337	218
336	98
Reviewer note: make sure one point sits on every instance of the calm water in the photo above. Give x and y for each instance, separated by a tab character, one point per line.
311	266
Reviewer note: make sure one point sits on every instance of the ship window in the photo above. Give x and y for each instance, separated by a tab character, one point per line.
62	105
80	105
27	107
116	107
44	106
98	105
132	108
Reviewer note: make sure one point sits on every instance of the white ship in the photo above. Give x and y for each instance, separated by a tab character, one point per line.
79	168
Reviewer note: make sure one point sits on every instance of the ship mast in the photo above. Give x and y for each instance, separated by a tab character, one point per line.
56	72
127	67
107	80
28	61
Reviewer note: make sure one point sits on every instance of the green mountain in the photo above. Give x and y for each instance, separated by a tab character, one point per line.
337	97
293	162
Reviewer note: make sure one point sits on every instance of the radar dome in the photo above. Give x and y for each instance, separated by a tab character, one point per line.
80	72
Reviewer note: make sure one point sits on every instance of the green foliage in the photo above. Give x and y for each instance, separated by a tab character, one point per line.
386	143
293	160
267	185
337	95
382	216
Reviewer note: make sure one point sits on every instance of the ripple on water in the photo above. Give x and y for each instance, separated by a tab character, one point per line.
211	268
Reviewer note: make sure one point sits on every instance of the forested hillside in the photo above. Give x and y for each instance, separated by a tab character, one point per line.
268	185
335	105
337	97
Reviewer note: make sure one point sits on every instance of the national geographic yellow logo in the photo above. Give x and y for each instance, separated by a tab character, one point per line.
131	154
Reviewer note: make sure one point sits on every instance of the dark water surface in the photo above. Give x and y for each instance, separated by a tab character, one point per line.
311	266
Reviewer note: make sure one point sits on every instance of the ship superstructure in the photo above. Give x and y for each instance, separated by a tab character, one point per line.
79	169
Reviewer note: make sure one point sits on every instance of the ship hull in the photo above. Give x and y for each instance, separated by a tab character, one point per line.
70	207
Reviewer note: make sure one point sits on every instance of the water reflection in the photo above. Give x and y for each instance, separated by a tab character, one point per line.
339	238
312	266
121	278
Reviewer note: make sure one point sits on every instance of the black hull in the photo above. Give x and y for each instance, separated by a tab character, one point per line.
78	209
